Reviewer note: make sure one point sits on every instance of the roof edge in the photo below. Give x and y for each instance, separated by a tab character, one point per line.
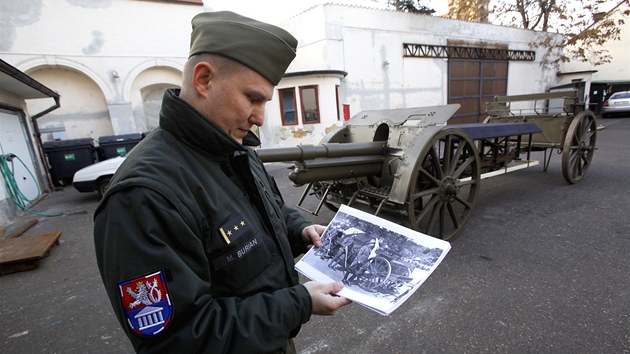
25	79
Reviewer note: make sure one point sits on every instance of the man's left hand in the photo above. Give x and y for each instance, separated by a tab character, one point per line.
311	235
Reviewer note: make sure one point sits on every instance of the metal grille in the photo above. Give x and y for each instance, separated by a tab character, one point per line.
456	52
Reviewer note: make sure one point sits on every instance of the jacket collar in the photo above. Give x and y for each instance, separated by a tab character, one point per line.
190	127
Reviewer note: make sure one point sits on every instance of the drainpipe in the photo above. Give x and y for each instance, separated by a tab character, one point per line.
38	137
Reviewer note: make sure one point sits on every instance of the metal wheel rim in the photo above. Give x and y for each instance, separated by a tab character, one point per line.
444	185
378	270
579	147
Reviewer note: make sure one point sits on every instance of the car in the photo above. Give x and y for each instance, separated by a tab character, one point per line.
96	177
618	102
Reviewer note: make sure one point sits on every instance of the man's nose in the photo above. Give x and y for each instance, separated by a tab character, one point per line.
258	116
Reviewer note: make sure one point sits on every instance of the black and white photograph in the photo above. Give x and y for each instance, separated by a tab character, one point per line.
380	263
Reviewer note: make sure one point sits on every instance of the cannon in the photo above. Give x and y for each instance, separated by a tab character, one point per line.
411	167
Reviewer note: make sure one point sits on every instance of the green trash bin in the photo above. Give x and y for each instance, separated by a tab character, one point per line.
116	145
65	157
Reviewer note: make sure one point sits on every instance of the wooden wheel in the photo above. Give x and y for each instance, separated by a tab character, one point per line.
375	273
444	185
579	146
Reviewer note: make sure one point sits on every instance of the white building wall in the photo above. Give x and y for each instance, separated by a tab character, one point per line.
368	45
273	134
109	59
108	43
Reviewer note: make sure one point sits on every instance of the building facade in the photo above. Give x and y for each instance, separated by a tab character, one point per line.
354	58
111	61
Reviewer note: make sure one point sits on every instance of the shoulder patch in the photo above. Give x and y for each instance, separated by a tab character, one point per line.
146	303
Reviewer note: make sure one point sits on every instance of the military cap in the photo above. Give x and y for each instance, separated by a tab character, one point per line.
265	48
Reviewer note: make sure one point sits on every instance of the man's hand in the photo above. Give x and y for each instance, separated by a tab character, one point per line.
325	302
311	235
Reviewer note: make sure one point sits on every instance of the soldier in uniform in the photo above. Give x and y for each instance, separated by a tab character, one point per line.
361	259
193	240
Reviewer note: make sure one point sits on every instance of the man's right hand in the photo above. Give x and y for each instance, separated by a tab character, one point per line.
325	302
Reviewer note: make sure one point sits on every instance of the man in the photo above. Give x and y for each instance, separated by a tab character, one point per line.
360	261
193	240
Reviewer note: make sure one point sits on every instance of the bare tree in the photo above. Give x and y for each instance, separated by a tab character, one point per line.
582	24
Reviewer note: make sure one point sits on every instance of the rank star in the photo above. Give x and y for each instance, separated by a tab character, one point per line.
229	233
235	228
242	223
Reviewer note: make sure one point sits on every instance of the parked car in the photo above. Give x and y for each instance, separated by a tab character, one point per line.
96	177
618	102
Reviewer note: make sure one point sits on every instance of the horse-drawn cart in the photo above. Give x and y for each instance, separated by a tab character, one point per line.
369	263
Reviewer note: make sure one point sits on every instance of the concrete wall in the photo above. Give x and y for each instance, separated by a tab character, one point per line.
368	44
100	55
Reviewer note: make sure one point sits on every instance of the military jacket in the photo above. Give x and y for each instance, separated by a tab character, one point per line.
194	231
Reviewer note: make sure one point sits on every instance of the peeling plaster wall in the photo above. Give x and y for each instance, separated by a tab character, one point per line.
109	42
147	91
83	112
273	134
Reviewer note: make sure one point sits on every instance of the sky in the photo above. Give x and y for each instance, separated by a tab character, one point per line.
276	11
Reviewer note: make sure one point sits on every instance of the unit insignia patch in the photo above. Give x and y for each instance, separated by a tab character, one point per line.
146	303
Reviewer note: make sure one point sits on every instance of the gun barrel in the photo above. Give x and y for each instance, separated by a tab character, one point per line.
330	150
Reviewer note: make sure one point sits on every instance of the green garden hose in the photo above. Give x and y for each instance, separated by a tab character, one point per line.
13	190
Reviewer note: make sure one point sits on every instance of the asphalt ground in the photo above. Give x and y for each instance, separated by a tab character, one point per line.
541	267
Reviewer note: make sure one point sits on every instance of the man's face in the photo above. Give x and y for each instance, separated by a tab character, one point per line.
236	102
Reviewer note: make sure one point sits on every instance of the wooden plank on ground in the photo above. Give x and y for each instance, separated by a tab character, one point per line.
24	253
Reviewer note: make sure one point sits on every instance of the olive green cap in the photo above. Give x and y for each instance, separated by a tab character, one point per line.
265	48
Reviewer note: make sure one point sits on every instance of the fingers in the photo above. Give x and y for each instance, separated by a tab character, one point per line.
325	302
311	235
319	229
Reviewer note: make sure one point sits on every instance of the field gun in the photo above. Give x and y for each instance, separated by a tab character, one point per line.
407	165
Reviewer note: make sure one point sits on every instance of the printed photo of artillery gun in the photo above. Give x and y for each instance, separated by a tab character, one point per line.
411	167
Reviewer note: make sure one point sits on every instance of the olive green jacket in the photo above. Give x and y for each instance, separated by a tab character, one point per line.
172	207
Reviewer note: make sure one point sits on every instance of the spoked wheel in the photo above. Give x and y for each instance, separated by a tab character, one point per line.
375	273
579	146
444	185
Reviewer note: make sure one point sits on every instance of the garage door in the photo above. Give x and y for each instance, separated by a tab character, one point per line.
15	139
472	83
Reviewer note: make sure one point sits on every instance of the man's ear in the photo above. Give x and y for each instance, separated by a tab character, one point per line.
202	77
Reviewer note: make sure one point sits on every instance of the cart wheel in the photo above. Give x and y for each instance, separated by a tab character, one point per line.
579	146
444	185
376	273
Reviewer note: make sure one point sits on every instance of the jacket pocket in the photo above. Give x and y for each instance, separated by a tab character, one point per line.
240	265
